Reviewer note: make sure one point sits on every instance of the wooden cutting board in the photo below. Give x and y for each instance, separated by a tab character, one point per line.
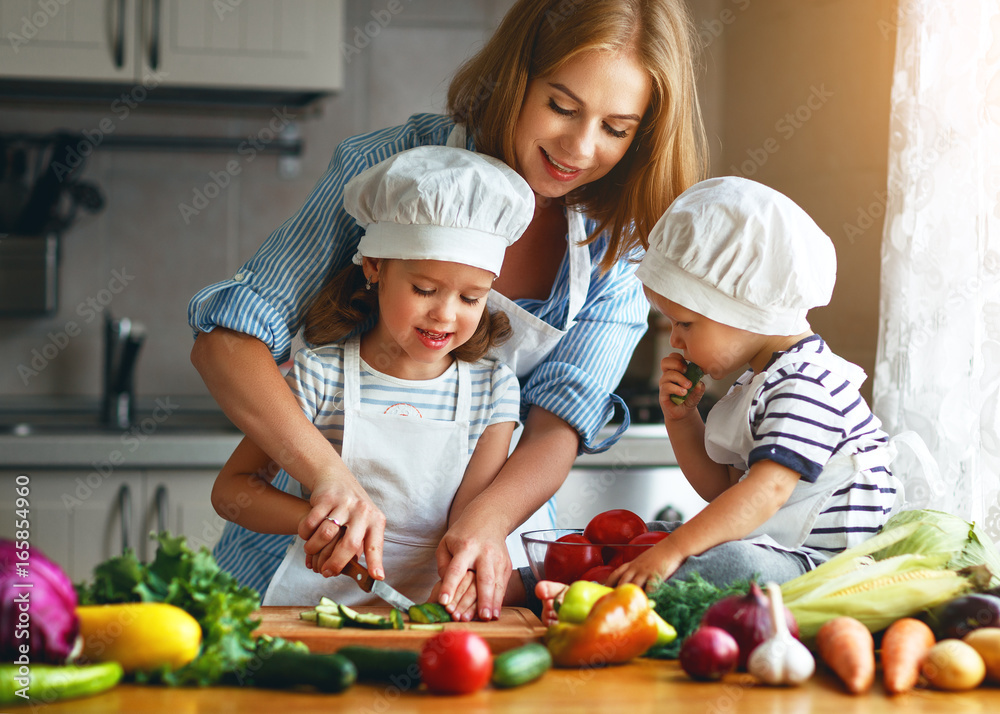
516	626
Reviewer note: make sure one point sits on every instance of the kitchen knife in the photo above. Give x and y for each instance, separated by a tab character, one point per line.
378	588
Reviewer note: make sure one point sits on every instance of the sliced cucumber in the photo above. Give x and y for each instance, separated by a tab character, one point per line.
308	615
427	626
365	619
334	622
396	618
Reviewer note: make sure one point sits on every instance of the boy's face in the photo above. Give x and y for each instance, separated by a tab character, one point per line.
718	349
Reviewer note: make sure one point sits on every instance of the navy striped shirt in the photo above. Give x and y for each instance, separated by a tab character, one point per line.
805	414
268	296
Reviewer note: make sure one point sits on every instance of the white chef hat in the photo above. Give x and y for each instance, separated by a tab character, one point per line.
440	203
742	254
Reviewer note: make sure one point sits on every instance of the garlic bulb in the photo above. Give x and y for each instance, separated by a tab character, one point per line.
780	659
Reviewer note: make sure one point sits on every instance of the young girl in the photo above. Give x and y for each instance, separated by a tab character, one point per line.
794	465
594	104
412	405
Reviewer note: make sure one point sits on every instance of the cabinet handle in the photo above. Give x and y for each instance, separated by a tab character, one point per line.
154	38
162	501
125	506
120	37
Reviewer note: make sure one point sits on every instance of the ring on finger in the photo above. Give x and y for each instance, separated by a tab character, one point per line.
335	521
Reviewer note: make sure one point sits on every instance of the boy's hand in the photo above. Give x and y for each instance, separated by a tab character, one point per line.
674	383
548	592
652	567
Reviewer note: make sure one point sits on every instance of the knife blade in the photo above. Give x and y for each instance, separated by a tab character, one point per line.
379	588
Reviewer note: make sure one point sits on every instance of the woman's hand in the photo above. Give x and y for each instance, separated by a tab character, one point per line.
673	382
343	522
549	591
470	546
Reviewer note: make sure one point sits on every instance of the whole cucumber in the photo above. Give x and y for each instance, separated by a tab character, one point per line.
694	373
285	669
46	683
521	665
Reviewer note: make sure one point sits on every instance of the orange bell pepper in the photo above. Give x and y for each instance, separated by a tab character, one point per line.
620	626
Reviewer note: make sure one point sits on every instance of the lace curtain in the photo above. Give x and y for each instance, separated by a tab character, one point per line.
937	369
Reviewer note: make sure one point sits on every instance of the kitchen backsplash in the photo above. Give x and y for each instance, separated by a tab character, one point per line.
174	222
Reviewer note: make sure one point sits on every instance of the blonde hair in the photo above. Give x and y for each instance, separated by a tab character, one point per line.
535	39
345	304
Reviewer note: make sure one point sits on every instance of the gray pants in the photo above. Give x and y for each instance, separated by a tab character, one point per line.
721	565
738	560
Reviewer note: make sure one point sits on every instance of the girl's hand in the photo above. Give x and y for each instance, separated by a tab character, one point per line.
465	548
462	606
342	523
549	592
673	382
652	567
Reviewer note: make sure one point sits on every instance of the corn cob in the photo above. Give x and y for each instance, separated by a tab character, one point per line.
876	592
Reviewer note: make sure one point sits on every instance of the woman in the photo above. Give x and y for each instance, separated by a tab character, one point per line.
594	105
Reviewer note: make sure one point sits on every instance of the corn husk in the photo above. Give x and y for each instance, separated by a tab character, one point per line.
878	592
965	543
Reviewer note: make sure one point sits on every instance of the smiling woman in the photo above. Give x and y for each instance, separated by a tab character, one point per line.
594	105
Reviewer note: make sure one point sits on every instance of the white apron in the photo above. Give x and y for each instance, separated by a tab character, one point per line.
411	468
728	440
533	339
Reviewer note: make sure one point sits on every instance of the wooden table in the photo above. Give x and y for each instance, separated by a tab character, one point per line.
643	686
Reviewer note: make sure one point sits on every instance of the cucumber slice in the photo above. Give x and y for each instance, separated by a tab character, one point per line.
365	619
328	602
427	626
334	622
396	618
308	615
694	374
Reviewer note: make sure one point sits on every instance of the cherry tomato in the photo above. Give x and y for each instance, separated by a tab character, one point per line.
645	540
614	527
599	574
568	562
455	662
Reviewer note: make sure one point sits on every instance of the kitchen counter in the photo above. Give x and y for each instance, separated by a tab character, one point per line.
643	686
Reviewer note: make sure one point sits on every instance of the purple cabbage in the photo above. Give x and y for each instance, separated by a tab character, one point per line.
50	621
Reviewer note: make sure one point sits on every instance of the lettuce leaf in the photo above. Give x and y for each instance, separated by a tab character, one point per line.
192	581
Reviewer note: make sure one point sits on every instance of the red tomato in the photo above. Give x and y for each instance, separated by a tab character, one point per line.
455	662
624	555
614	527
567	563
599	574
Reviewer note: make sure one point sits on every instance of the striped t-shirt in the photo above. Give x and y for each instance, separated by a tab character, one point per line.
317	380
805	414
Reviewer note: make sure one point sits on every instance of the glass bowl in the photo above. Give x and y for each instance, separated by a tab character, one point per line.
567	562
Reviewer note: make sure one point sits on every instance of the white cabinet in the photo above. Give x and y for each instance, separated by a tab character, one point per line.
81	517
287	45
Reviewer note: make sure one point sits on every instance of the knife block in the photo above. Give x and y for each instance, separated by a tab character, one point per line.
29	275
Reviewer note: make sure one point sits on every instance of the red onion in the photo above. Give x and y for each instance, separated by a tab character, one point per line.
709	653
42	616
747	619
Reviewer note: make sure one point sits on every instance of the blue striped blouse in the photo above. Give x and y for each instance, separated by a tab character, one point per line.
269	295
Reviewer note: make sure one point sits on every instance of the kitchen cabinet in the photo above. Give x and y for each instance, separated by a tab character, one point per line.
286	45
81	517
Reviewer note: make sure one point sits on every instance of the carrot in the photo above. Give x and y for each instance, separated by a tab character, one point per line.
848	649
904	646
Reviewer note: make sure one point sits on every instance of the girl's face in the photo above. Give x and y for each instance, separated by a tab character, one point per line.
427	308
718	349
578	122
